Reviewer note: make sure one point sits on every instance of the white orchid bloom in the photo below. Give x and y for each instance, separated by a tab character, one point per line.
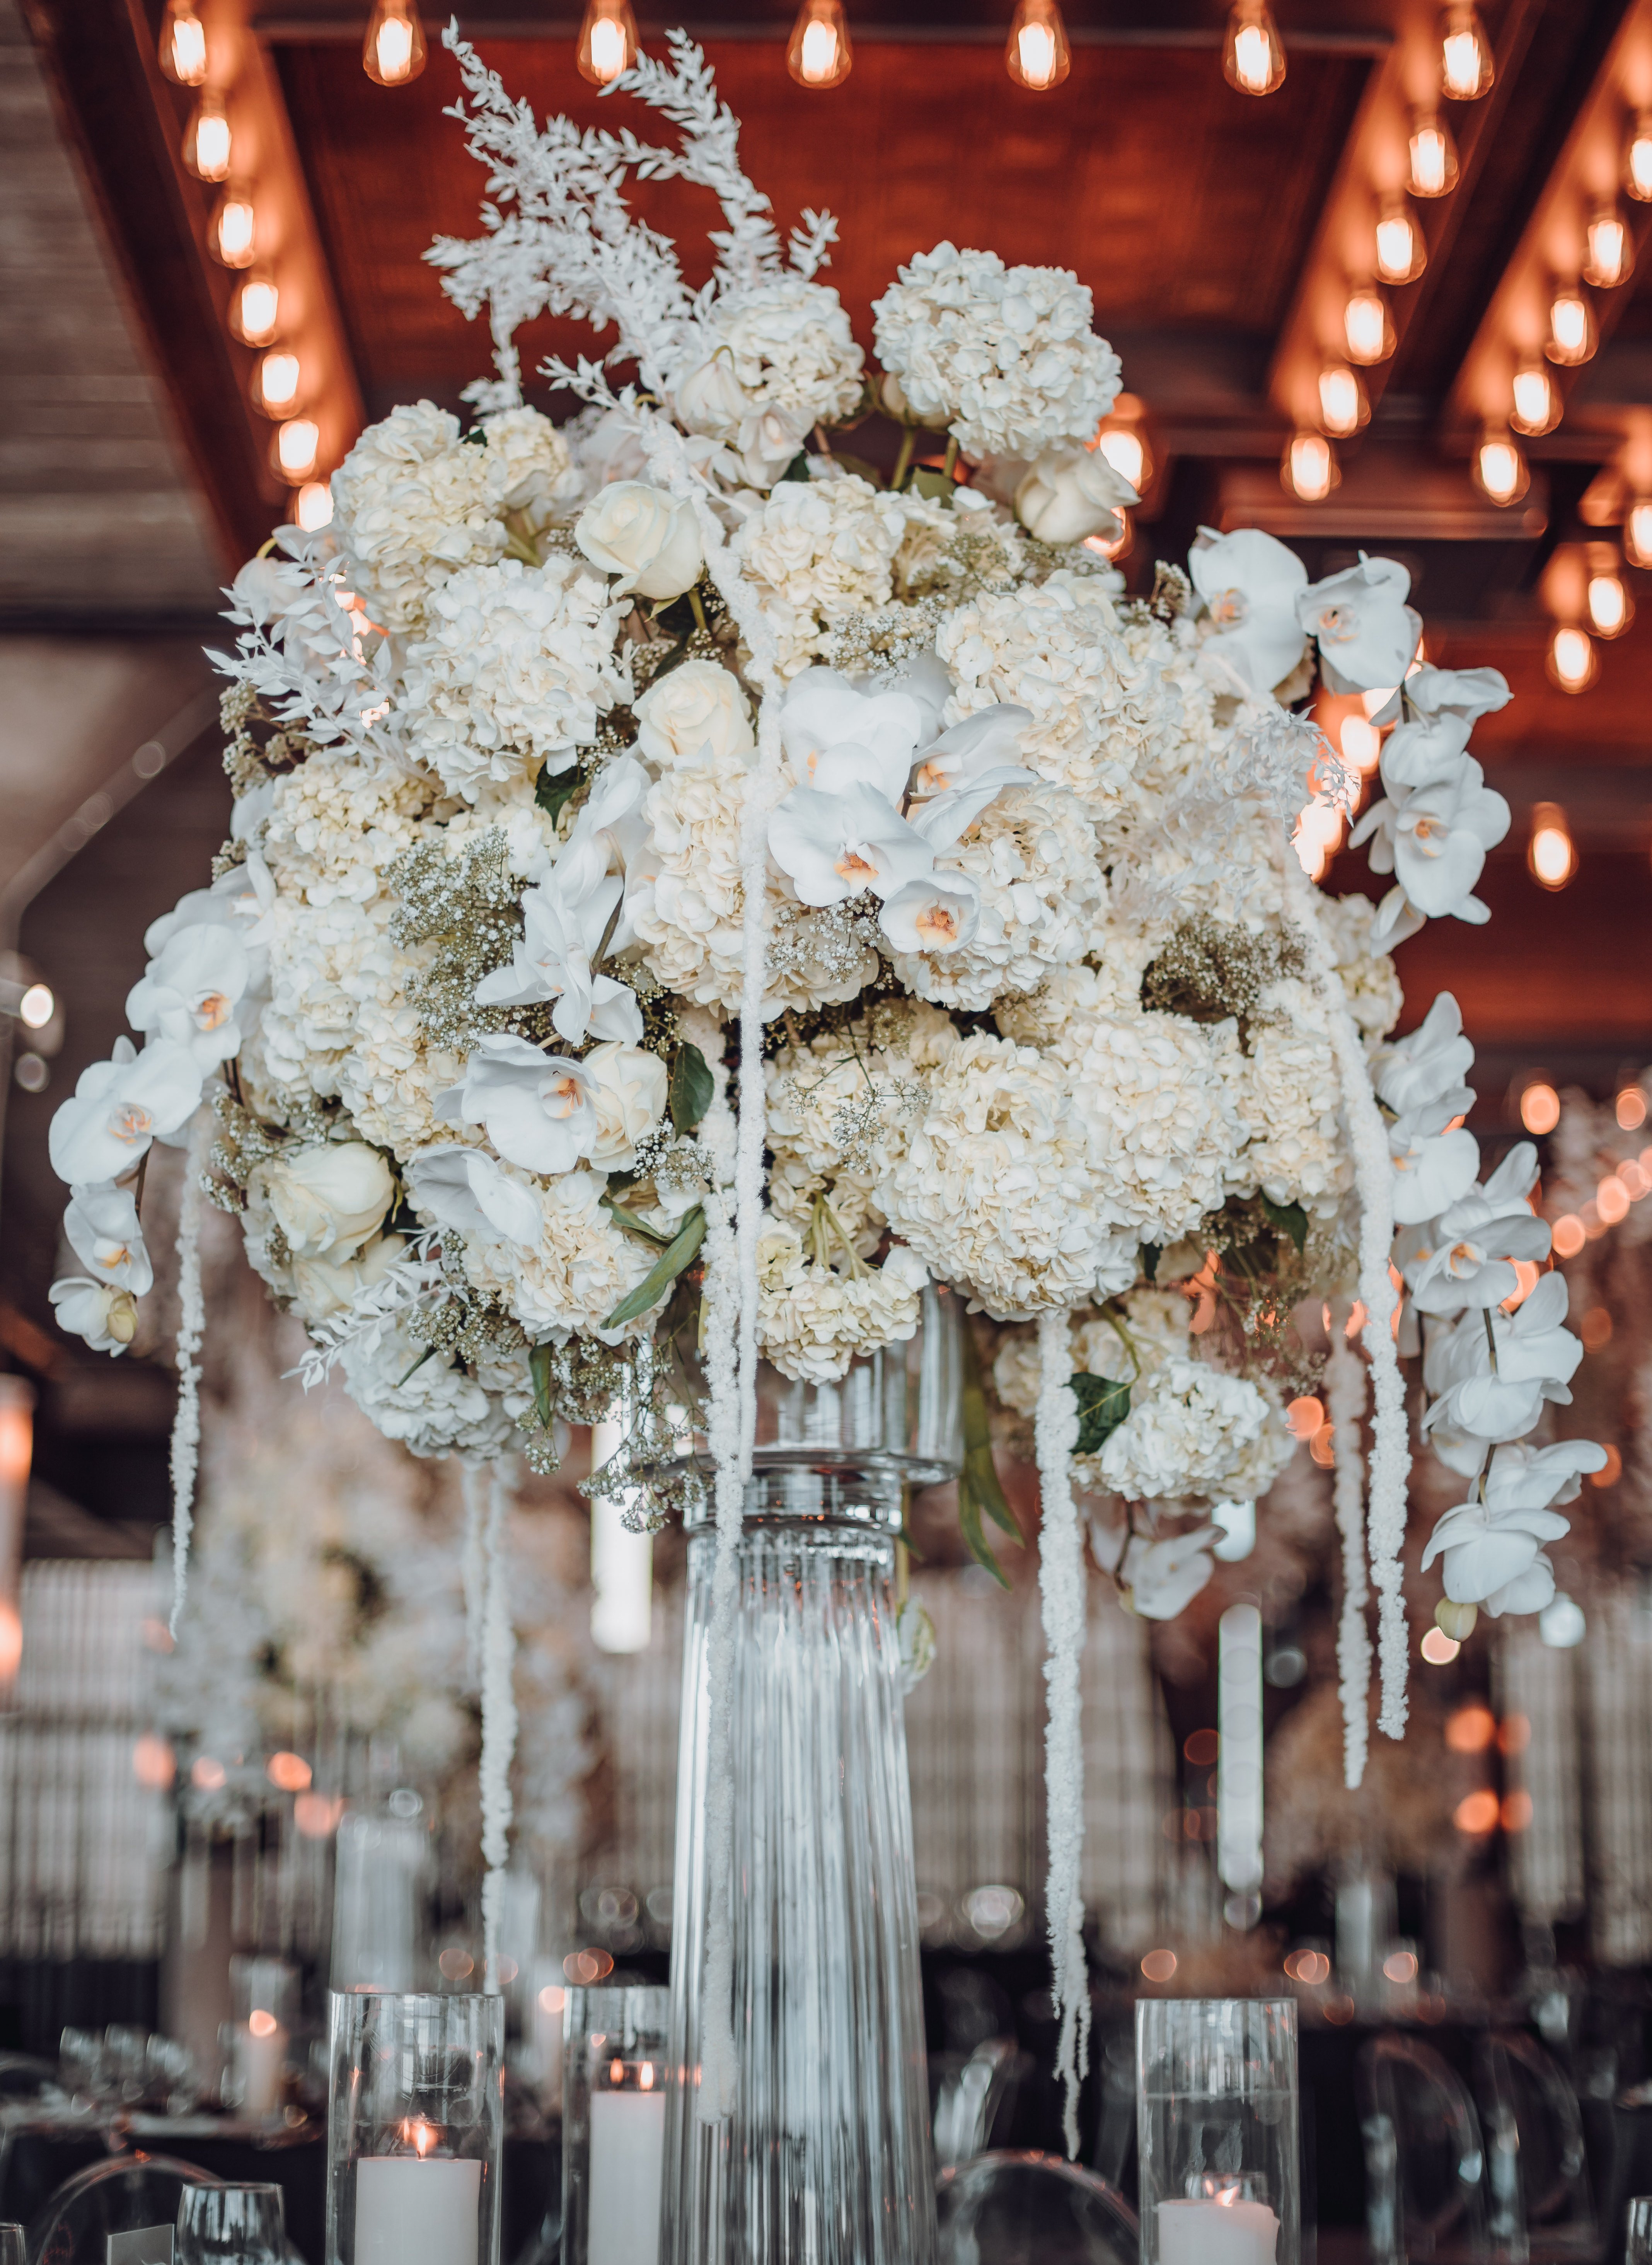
938	913
121	1106
1359	619
1250	584
1468	692
1470	1265
988	740
1536	1359
1530	1592
945	818
1397	921
1163	1577
610	829
1519	1477
538	1109
190	991
105	1315
833	846
925	677
1429	1064
242	899
1435	1161
1417	755
467	1190
1484	1552
554	960
823	710
1434	839
101	1224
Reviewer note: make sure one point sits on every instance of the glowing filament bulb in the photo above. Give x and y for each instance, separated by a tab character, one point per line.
256	307
1550	853
1309	468
235	230
1253	56
295	447
393	51
1571	338
1610	254
1126	450
1342	406
1571	661
608	41
277	382
818	53
1501	469
207	139
182	49
1401	256
1535	407
1036	55
1035	46
1433	159
1637	160
1465	64
1609	609
1637	532
1368	332
315	505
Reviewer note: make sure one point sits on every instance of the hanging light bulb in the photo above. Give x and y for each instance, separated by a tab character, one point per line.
233	235
1537	406
1114	540
314	508
1253	56
275	389
1610	251
1500	467
295	446
819	54
1549	850
1433	156
1121	439
182	49
1611	608
1344	407
1402	254
1036	54
1366	327
1571	338
207	138
1637	532
608	40
1465	66
1571	661
1308	469
1637	158
393	51
254	311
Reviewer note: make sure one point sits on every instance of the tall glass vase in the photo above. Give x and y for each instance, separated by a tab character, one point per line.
825	2158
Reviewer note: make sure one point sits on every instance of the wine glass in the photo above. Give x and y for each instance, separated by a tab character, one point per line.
1638	2250
14	2250
230	2225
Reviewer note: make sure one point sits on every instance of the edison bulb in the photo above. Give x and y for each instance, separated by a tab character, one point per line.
183	47
1366	328
1572	659
608	41
1402	254
818	53
1500	468
295	447
1637	532
1637	159
1253	54
1465	65
1433	158
1535	405
1309	469
393	52
1037	55
1610	254
1571	338
1550	854
1343	407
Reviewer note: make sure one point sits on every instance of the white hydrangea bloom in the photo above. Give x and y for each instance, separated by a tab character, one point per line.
1291	1097
335	823
514	667
1370	981
1032	854
436	1410
817	550
688	909
789	348
1156	1095
813	1321
1191	1432
1062	1015
1133	1337
528	467
1005	357
995	1189
577	1272
410	503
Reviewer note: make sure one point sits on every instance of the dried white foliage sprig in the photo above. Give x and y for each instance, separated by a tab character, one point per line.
192	1323
1345	1404
1063	1594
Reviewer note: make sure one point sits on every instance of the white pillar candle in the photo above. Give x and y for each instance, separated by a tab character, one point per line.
1217	2233
545	2046
257	2058
628	2150
417	2209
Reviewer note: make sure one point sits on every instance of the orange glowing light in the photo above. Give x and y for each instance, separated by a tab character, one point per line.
1569	1236
10	1640
1631	1108
1438	1648
1471	1730
153	1764
420	2136
1595	1329
1539	1107
1158	1966
1305	1416
1610	1471
1514	1734
316	1815
1476	1813
262	2024
1526	1271
1516	1812
288	1772
208	1774
1612	1199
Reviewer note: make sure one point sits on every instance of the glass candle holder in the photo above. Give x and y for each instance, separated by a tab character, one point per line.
613	2125
264	2001
414	2123
1216	2112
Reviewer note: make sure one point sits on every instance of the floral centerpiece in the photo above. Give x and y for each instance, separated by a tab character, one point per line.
687	890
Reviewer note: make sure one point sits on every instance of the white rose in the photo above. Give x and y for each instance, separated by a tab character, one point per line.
327	1285
328	1199
710	398
1070	493
629	1089
645	535
697	709
767	442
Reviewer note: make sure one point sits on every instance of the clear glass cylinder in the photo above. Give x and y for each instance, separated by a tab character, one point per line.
414	2123
614	2065
826	2154
1216	2119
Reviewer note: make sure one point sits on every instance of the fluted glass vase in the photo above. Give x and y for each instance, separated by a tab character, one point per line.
825	2158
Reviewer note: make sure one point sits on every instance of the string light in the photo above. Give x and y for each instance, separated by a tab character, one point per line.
1433	156
1611	608
1253	55
1539	1107
1113	542
234	233
1610	254
1037	55
1366	327
1637	532
1120	439
183	48
393	52
1309	468
1549	852
1402	254
313	509
1537	407
255	310
295	447
1572	664
1631	1109
1466	69
1637	158
1343	405
608	41
819	52
1500	468
277	388
207	138
1571	338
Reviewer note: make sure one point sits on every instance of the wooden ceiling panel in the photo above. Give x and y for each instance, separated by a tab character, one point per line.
1180	203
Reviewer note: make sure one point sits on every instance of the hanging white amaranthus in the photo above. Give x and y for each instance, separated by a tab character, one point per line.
1065	1594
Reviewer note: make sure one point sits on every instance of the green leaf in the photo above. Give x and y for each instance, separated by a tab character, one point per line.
798	468
1290	1219
539	1369
632	1225
677	1255
1104	1404
970	1520
553	795
936	487
1150	1254
692	1087
980	1492
425	1356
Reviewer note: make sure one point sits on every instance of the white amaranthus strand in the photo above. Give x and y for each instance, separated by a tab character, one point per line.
1345	1404
1373	1176
192	1322
499	1725
473	1568
1063	1592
